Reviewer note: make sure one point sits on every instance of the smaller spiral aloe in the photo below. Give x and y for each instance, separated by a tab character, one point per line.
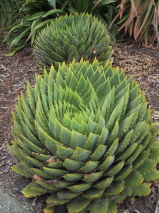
84	134
75	36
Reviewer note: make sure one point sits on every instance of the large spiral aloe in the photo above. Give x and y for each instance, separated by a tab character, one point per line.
75	36
85	135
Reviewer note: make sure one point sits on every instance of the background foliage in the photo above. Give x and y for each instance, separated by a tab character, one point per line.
9	11
138	18
36	14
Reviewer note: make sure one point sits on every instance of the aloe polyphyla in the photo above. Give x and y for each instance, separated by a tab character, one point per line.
75	36
85	135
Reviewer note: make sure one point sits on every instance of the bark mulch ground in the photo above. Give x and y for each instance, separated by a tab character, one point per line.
142	62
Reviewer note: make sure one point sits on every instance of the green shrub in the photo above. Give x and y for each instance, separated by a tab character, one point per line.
137	18
75	36
9	11
35	14
84	134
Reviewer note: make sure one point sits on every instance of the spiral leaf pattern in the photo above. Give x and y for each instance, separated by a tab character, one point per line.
85	135
75	36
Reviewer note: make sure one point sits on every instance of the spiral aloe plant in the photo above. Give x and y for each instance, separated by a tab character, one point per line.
75	36
85	135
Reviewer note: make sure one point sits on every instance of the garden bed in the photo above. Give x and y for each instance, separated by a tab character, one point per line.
142	62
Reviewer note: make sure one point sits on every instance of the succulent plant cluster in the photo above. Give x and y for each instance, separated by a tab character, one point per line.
85	135
75	36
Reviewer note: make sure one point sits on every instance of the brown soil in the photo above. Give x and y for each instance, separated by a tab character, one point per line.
16	70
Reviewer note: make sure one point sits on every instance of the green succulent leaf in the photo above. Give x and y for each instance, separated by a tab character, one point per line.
90	166
99	204
77	204
142	190
18	168
115	188
112	207
63	152
54	172
115	169
72	165
33	190
124	173
98	153
134	179
104	183
127	152
154	155
80	187
92	177
106	163
54	200
151	175
93	193
64	195
127	192
73	177
81	155
147	166
49	209
47	186
41	173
